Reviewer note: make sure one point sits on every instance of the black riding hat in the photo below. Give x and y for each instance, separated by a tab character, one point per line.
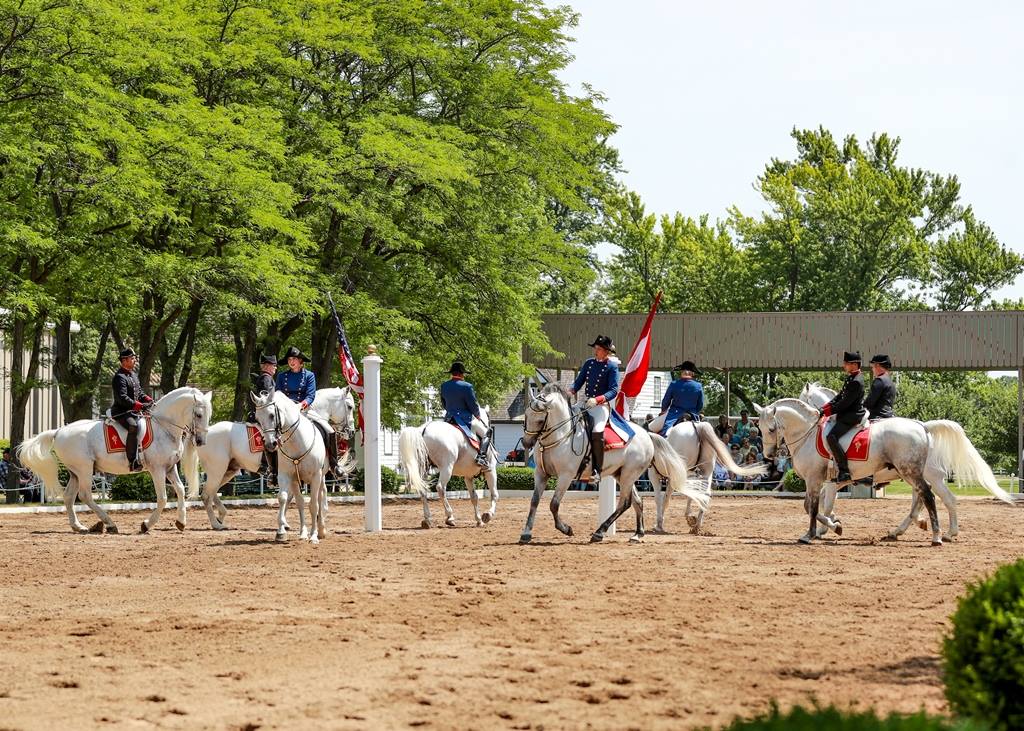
293	352
849	357
127	353
602	340
268	359
882	360
458	369
687	365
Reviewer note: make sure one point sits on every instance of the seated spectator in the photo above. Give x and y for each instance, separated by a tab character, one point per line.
752	481
755	438
782	459
722	428
745	449
744	425
720	477
735	438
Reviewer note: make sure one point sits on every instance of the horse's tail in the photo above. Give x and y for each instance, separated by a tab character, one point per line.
668	462
953	452
346	463
707	435
36	454
190	466
412	450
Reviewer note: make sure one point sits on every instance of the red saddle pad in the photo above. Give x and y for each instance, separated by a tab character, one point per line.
472	440
114	442
856	452
612	440
255	438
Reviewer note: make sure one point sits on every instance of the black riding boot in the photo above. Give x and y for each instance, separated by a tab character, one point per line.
481	455
131	450
271	460
840	457
596	456
331	442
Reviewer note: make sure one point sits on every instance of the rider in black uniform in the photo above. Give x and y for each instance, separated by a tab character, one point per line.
129	401
265	384
848	408
883	393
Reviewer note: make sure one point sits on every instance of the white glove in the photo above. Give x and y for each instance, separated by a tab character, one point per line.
591	403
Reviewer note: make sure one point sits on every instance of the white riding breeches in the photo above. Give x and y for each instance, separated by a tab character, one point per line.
317	418
478	428
600	414
656	424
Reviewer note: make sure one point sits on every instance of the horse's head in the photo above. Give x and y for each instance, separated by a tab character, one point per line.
202	411
769	431
535	420
268	416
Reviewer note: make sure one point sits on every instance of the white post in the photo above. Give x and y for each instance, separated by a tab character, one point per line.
606	502
371	448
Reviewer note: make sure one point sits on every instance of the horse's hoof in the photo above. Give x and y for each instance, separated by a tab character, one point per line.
890	537
450	522
219	526
112	529
937	543
806	540
691	520
479	524
568	530
281	536
486	517
658	531
596	538
636	539
839	529
97	527
314	541
425	524
524	539
694	530
179	525
82	530
922	524
144	528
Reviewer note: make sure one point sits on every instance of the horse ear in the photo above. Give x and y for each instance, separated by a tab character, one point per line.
209	397
758	409
254	396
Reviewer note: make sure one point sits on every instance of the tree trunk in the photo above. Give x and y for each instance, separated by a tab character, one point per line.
170	359
25	334
78	386
325	345
244	332
278	334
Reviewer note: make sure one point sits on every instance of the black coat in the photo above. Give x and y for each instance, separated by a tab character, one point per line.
881	397
848	405
128	393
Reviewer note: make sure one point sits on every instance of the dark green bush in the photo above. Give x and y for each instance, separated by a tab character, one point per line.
133	488
831	719
515	478
390	482
984	654
792	482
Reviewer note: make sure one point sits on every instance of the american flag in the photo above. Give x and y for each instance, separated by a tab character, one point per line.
348	364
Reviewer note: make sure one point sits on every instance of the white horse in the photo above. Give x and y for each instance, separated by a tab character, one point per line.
445	446
560	435
817	395
302	459
179	422
699	446
921	454
227	450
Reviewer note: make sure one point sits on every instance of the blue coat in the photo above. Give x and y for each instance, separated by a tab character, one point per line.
683	396
460	405
598	378
298	387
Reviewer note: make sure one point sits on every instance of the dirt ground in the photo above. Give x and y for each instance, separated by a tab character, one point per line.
463	628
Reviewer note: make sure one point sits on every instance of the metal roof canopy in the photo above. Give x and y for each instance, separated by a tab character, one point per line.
799	340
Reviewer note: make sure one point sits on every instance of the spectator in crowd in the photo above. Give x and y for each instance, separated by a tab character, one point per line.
751	482
25	479
734	451
755	439
782	460
722	427
720	477
10	476
745	449
734	438
744	425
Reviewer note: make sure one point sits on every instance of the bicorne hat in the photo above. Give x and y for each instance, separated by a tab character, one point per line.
127	353
268	359
293	352
602	340
687	365
458	369
882	360
849	357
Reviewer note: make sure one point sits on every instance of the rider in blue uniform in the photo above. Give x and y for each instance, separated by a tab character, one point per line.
299	384
684	398
600	380
462	410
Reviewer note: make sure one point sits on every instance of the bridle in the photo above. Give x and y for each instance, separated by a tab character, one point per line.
794	444
284	436
545	430
189	429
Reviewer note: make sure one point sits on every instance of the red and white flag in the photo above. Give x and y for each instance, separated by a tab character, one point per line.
638	365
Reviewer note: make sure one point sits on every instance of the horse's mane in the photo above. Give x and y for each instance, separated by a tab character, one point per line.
558	389
794	403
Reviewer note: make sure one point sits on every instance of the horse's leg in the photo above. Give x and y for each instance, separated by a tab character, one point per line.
915	506
283	484
563	484
160	484
70	491
316	515
540	481
300	503
928	498
491	478
826	517
211	499
444	473
472	494
179	495
937	479
661	494
638	508
84	485
813	498
625	500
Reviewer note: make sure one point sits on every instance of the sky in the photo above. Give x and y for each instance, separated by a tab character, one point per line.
706	93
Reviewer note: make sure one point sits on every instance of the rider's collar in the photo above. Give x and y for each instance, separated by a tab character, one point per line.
456	377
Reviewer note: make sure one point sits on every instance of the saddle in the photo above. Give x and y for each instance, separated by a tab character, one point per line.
612	439
473	441
114	434
856	442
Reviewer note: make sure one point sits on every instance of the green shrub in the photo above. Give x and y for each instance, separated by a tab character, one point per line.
515	478
792	482
984	653
390	482
820	719
133	488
